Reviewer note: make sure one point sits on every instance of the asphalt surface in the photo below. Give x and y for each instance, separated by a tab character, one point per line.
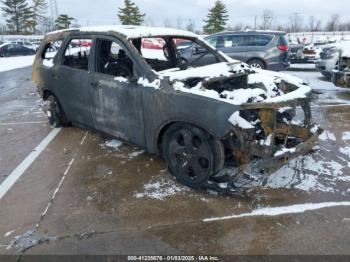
80	196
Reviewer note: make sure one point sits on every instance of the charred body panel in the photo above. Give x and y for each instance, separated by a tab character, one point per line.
149	107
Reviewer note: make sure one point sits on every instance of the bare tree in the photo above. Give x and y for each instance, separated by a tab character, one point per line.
296	23
267	19
344	26
236	27
314	25
167	23
148	21
191	25
179	23
333	23
2	28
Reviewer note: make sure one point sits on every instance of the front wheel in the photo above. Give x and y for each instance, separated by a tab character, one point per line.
192	155
54	112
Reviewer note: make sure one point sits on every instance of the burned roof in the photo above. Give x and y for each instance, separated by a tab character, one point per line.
131	31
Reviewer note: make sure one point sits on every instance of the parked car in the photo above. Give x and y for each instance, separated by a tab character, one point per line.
199	118
330	58
260	49
26	44
9	49
341	75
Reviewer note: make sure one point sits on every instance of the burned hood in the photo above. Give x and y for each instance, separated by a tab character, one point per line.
237	83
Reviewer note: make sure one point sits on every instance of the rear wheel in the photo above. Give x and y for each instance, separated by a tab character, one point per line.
257	63
192	155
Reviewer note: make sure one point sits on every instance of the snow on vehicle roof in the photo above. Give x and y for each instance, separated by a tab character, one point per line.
131	31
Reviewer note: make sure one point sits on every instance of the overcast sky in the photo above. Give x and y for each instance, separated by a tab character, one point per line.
103	12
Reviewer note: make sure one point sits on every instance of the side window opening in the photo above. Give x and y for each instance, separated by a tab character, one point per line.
50	52
156	52
112	59
77	54
262	40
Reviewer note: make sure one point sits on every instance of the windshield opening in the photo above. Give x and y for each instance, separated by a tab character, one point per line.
169	53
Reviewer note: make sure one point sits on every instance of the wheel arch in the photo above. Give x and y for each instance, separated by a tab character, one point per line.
257	58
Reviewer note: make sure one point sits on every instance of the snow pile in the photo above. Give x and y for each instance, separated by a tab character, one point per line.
267	92
10	63
209	71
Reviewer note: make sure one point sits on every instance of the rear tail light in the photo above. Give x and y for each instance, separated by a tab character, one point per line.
283	48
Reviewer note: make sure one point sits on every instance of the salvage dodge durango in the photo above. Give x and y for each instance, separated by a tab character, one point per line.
201	119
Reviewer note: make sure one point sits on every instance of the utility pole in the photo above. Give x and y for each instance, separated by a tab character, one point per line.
255	20
53	11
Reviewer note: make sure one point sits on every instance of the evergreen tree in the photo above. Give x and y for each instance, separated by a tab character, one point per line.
63	21
217	18
130	14
27	22
17	14
39	10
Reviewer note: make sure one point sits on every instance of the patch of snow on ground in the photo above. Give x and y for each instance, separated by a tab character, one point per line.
327	135
10	63
9	233
136	154
114	143
162	189
346	136
345	151
309	174
277	211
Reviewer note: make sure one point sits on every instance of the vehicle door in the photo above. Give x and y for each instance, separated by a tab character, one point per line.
117	107
22	50
71	81
11	50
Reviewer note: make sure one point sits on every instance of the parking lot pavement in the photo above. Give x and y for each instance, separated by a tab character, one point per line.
88	194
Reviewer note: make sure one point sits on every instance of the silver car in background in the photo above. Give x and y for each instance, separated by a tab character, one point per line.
260	49
330	58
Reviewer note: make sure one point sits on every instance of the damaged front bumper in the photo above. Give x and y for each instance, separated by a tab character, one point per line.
341	78
274	137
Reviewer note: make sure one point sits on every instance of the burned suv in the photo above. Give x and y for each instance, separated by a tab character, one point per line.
198	118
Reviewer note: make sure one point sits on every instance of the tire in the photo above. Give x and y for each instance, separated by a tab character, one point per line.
257	63
55	113
192	155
